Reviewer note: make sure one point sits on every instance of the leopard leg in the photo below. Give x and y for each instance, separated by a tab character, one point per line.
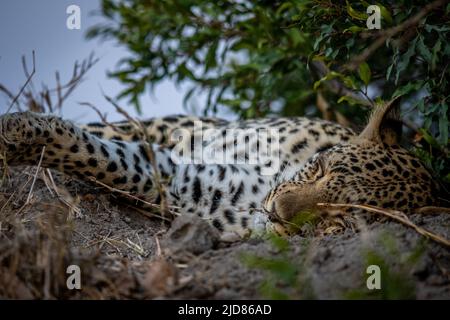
76	152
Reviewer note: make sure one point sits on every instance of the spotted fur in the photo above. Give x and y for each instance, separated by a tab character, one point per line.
318	161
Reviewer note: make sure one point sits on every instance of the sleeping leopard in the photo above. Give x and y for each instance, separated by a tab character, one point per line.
305	162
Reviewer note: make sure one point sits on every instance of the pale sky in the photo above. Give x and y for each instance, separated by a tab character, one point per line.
41	26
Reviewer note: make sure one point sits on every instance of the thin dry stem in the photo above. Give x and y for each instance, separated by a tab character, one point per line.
393	214
151	155
103	118
25	84
35	176
128	195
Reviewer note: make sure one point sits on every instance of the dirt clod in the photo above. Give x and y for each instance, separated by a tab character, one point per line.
190	234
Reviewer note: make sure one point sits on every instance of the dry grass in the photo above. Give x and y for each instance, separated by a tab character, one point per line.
36	247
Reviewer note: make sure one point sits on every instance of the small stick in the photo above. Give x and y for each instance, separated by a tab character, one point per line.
131	196
25	84
432	210
158	247
103	118
35	176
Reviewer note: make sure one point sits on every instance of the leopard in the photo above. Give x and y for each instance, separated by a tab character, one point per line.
306	161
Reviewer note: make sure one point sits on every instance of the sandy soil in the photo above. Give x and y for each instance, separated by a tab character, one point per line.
125	254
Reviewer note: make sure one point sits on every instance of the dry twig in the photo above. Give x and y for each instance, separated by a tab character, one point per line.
30	76
35	176
128	195
393	214
37	101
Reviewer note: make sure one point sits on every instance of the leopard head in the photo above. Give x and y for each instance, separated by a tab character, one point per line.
369	169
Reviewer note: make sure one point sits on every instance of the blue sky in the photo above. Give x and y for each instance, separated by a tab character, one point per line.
41	26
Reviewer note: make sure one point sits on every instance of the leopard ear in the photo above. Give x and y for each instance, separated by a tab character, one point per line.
384	126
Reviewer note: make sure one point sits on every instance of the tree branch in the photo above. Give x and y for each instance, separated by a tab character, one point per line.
389	33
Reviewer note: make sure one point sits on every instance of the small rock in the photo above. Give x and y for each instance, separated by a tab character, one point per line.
191	234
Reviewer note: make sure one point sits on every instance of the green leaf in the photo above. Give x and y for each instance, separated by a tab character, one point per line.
318	41
385	13
429	138
278	242
296	36
349	82
421	105
285	6
355	14
184	72
187	96
408	88
424	51
354	29
443	124
350	100
405	59
436	49
210	59
389	71
329	76
364	72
